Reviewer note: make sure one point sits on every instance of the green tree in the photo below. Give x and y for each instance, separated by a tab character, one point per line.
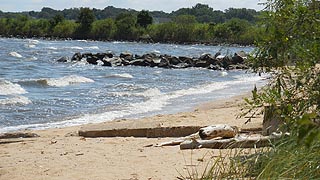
65	29
144	19
185	28
56	19
126	27
289	48
86	18
103	29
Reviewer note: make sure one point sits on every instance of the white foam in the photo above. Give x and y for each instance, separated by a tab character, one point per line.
33	58
33	41
65	81
223	73
9	88
156	100
153	92
52	48
93	47
30	45
18	100
156	51
15	54
123	75
76	47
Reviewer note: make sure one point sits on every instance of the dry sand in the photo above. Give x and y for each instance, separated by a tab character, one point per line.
57	154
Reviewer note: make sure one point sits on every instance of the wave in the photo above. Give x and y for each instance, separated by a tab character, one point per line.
18	100
15	54
9	88
33	58
33	41
92	47
223	73
58	82
30	45
52	48
123	75
155	101
153	92
75	47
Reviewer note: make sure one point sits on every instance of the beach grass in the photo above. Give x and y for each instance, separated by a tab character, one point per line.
285	160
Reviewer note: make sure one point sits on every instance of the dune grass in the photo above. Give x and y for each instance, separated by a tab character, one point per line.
285	160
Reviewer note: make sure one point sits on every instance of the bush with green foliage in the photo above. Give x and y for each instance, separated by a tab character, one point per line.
85	20
144	19
103	29
289	49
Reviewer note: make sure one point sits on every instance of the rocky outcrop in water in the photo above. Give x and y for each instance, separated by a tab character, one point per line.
209	61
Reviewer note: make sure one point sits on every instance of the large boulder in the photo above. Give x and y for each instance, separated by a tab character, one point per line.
139	62
115	61
225	62
239	57
201	63
76	57
173	60
187	60
208	58
164	62
63	59
149	56
103	55
126	56
92	60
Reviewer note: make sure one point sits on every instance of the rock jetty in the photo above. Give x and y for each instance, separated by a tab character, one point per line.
209	61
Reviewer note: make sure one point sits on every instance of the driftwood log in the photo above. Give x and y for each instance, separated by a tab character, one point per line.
240	141
222	136
18	135
219	130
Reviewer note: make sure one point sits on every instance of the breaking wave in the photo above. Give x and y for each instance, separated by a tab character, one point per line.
15	54
9	88
59	82
18	100
124	75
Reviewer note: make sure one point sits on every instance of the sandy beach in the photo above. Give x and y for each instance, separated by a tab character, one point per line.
61	154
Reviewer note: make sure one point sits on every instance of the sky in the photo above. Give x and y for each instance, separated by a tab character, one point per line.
152	5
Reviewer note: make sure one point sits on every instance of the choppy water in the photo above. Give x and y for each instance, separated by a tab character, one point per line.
36	92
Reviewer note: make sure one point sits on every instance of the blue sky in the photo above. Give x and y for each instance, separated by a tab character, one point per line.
164	5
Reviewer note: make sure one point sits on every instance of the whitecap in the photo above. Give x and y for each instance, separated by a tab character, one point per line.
123	75
52	48
30	45
8	88
18	100
152	92
76	47
33	58
223	73
33	41
15	54
156	51
65	81
93	47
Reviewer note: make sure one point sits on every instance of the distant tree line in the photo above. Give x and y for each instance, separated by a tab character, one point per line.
199	24
202	12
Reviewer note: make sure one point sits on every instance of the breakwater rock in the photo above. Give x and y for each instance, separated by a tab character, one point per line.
209	61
